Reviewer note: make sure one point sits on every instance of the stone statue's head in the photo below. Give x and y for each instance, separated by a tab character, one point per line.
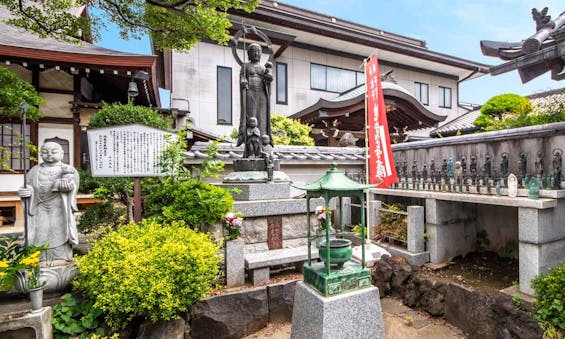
254	52
52	152
265	139
252	122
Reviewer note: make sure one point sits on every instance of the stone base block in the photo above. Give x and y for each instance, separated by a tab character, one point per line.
254	164
255	177
352	315
260	276
235	263
262	191
414	259
22	324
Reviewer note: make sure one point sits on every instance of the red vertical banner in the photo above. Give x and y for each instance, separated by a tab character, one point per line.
382	171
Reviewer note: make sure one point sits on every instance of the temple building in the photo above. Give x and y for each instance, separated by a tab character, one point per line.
318	75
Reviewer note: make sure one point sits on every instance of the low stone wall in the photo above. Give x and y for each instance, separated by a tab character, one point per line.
478	314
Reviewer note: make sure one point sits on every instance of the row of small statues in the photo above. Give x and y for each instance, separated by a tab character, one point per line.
455	173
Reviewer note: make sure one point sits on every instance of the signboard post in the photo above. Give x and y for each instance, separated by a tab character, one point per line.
128	151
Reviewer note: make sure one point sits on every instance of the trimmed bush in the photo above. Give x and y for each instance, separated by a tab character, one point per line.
549	306
119	114
194	202
149	270
288	131
502	104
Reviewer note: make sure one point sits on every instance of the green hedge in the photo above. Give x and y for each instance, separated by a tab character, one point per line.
549	306
148	269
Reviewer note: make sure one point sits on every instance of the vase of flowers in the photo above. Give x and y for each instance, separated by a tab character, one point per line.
234	258
28	277
232	225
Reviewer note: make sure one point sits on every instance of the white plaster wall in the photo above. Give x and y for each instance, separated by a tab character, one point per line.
195	79
11	182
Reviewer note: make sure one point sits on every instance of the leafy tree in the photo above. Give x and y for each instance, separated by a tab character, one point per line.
288	131
502	104
172	24
13	92
121	189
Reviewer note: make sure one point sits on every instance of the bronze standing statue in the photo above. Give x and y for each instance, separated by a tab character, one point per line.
255	82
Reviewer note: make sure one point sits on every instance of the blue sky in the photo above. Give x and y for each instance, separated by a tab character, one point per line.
452	27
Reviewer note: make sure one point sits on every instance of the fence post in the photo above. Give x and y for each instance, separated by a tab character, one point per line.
415	229
375	207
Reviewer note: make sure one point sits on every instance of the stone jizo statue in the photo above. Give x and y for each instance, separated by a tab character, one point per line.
267	154
557	164
539	164
252	139
255	82
51	191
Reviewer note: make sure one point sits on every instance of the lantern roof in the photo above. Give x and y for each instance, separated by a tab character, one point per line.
334	181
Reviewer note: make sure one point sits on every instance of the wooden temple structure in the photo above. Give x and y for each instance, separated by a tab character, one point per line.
333	118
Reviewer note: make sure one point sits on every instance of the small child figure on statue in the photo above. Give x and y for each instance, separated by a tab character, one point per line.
267	154
252	146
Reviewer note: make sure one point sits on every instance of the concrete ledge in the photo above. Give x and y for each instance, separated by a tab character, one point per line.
278	257
260	191
414	259
39	321
541	203
261	208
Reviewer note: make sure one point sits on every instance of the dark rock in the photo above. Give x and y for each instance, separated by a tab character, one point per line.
468	310
411	293
381	275
230	316
165	329
400	274
281	299
432	297
517	322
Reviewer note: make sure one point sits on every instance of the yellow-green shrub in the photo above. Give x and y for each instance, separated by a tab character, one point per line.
149	270
549	306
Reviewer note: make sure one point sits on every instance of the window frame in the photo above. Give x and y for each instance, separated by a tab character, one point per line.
325	89
32	139
285	66
419	85
442	93
218	122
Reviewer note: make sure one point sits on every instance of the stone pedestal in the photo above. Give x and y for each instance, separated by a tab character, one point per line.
57	278
254	171
352	315
35	324
235	263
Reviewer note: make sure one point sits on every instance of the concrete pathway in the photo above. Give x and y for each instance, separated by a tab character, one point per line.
401	322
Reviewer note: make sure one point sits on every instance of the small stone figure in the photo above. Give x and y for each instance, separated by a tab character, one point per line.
425	174
487	167
405	169
533	188
557	167
252	143
444	170
473	168
522	165
464	166
539	164
267	154
504	166
450	167
51	188
458	173
414	174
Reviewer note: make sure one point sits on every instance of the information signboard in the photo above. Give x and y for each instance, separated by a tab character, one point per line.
127	150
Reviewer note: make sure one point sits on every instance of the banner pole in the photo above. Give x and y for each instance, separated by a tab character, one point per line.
367	156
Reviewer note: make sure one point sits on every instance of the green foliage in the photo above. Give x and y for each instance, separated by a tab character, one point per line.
148	269
123	114
503	104
74	318
288	131
518	301
393	225
99	215
549	306
174	25
14	257
357	229
192	201
14	91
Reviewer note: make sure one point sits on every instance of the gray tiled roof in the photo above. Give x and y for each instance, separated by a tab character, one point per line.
463	123
18	37
228	152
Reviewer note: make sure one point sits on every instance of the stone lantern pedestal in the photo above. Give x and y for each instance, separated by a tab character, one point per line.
352	315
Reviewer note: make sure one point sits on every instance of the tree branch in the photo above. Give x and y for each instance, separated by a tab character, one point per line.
166	4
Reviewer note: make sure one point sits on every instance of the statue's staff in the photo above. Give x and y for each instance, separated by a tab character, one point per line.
244	91
23	110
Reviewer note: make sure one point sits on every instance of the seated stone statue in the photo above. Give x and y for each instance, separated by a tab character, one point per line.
267	154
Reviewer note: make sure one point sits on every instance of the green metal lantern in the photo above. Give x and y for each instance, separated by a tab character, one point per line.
336	274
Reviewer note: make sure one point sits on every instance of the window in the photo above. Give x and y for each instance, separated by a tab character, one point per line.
421	92
224	95
282	83
444	97
334	79
11	145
